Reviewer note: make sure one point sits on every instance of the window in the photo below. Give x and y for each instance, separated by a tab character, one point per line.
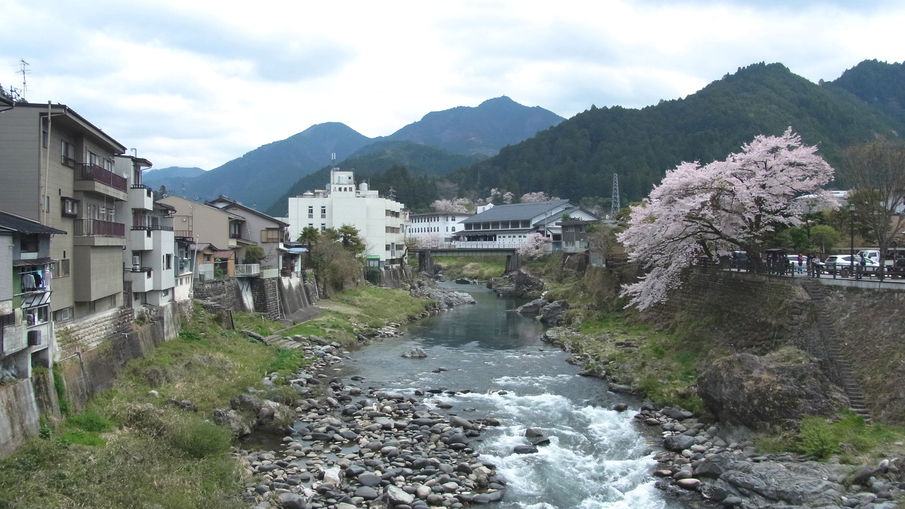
310	211
323	227
70	207
28	243
323	211
37	316
67	154
108	164
270	235
63	270
93	159
168	262
61	315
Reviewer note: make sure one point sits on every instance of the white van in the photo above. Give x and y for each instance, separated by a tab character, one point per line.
870	254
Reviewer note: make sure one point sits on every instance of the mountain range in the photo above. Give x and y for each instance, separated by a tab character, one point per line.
447	152
445	139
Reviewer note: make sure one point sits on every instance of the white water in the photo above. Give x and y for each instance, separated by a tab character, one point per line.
596	458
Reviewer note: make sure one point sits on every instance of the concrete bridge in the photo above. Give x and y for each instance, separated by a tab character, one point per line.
426	256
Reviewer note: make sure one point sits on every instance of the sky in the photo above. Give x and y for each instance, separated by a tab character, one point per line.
199	83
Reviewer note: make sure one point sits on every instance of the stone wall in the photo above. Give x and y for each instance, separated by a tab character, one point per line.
93	369
224	292
266	295
88	333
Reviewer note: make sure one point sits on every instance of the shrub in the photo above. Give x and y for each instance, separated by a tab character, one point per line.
817	437
200	439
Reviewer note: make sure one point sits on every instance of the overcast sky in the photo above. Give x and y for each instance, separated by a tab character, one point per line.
199	83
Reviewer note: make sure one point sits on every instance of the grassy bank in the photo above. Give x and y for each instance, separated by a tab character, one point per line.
133	449
665	364
481	268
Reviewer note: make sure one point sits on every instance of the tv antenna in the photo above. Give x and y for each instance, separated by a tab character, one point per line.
24	70
614	202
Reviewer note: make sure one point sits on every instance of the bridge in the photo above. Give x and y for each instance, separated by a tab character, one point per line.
426	256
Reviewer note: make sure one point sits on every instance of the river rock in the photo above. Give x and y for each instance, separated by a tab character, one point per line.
532	307
761	392
415	353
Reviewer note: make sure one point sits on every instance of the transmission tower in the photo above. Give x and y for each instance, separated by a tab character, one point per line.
614	203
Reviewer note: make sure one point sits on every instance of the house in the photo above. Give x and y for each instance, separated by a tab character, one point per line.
259	228
26	284
507	226
435	228
149	260
58	169
381	222
198	224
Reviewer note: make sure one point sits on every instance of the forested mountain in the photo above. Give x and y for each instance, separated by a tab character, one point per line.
578	157
414	167
260	176
877	83
484	129
172	176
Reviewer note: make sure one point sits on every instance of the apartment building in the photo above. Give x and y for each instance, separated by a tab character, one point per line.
217	233
149	261
58	169
381	222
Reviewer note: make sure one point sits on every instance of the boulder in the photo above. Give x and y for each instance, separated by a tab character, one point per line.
763	391
415	353
532	307
551	314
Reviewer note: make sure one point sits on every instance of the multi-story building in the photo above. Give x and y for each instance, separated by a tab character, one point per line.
199	227
58	169
149	260
507	226
381	222
26	282
434	229
259	228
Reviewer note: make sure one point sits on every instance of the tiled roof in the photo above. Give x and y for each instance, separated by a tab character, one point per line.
515	212
24	225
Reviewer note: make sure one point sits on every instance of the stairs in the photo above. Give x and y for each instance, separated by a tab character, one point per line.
831	341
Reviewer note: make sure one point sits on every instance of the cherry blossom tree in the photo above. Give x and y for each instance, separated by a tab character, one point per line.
537	197
460	205
429	240
708	211
532	246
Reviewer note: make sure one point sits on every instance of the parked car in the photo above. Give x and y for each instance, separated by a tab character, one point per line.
842	265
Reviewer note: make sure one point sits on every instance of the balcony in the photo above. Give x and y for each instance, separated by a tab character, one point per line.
141	197
94	232
93	178
141	279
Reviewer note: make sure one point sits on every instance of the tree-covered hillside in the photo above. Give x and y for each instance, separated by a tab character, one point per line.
411	168
578	157
484	129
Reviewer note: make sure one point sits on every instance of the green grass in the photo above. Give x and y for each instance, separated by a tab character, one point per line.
472	267
823	438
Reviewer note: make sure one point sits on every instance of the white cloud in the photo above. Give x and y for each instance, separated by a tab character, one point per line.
200	83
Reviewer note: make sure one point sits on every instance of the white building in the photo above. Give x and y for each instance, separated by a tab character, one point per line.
433	229
149	257
508	226
381	222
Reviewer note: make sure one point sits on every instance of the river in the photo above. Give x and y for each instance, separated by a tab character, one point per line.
596	458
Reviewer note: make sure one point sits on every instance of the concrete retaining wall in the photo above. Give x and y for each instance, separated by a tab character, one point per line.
18	415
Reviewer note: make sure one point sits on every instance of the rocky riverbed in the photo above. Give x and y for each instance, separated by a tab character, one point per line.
353	447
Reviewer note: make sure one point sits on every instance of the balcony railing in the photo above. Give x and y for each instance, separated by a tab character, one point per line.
98	228
148	192
152	227
183	234
87	171
247	269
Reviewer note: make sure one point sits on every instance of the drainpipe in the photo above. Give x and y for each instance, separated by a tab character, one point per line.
43	196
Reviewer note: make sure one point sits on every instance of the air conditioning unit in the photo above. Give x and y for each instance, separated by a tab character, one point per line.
136	263
34	338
